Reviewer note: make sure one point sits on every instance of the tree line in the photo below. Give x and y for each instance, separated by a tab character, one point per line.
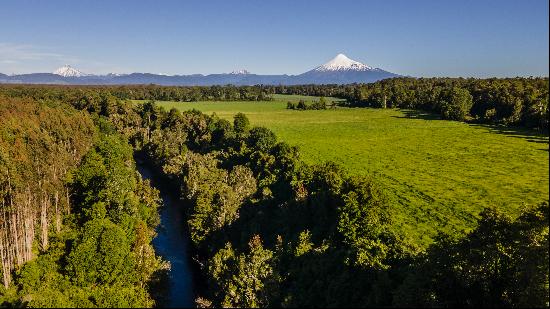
96	94
507	101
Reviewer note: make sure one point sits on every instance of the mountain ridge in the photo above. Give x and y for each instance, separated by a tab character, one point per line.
339	70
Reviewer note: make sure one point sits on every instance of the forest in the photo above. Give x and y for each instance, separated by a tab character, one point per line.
506	101
77	221
503	101
268	230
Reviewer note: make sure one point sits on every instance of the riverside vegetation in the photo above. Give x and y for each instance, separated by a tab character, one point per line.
77	220
268	228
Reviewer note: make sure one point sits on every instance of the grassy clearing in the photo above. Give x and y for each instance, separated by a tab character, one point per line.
441	173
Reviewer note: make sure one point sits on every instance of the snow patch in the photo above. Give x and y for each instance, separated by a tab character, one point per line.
68	71
343	63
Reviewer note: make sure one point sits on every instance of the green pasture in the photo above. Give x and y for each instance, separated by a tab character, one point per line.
440	174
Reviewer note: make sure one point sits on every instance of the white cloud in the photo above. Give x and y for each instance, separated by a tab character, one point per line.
21	52
26	58
22	57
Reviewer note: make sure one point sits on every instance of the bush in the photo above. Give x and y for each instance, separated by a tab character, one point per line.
455	104
241	123
101	255
261	139
290	105
364	222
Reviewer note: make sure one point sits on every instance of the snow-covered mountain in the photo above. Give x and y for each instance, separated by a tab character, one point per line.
339	70
343	63
343	70
68	71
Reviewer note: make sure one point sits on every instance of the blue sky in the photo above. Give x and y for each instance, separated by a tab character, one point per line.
419	38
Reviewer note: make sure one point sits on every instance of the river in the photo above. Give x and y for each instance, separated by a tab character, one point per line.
172	243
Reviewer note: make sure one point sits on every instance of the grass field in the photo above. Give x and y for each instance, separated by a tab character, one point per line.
440	174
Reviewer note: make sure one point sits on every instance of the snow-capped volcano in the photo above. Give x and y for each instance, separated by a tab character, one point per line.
342	70
68	71
343	63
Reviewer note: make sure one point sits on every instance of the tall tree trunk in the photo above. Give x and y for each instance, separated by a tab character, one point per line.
4	251
57	214
44	223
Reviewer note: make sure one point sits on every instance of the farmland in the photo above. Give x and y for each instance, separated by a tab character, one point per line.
439	174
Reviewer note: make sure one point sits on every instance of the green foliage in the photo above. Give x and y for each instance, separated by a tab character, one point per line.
364	222
302	105
241	124
122	296
261	139
290	105
431	168
222	132
105	177
455	104
324	222
39	142
216	193
502	263
242	279
52	290
101	255
331	240
304	244
509	101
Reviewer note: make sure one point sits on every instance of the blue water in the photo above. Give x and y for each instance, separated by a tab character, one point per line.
172	243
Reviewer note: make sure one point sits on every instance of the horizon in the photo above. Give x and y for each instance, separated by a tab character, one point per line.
245	71
236	71
466	39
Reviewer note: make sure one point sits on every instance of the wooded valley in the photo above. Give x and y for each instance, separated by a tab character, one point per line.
268	229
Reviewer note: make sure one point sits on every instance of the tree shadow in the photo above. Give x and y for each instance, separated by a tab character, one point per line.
529	135
418	114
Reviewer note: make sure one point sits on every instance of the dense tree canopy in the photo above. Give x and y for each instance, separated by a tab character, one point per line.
74	189
266	228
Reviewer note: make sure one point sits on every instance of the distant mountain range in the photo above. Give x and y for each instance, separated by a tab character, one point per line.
339	70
